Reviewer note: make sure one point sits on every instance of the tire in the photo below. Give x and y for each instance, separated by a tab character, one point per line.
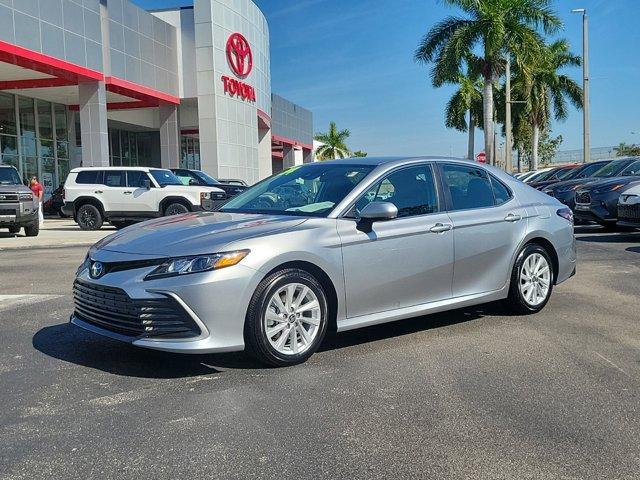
15	229
175	208
120	225
32	230
525	301
263	313
89	217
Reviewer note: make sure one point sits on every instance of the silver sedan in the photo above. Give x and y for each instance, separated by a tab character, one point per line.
332	245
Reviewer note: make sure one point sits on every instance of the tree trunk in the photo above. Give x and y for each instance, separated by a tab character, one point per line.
487	107
534	147
472	128
519	159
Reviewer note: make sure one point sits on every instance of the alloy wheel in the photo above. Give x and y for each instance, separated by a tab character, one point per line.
535	279
292	319
88	218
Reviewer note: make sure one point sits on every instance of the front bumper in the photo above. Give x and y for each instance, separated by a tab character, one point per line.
20	214
602	209
216	301
629	215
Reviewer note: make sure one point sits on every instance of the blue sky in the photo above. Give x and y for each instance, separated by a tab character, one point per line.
351	61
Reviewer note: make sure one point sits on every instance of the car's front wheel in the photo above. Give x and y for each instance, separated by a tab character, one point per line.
287	318
531	280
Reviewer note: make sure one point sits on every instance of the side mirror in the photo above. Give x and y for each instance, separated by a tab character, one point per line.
145	183
193	181
376	212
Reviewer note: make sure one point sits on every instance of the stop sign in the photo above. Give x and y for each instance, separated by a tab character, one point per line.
481	157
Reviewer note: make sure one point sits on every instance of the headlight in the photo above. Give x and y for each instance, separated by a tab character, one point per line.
26	197
196	264
630	199
205	195
84	265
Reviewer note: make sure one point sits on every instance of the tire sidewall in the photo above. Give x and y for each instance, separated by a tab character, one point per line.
516	294
99	220
257	337
175	204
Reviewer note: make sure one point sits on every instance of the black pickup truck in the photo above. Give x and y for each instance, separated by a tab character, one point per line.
18	206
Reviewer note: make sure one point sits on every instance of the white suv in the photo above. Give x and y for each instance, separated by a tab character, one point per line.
123	195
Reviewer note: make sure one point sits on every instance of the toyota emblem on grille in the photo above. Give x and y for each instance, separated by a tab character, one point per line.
3	197
97	269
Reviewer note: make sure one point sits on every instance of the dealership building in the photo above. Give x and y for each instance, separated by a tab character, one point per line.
104	82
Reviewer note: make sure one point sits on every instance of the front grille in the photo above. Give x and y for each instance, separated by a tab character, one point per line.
7	211
583	197
8	197
112	309
629	212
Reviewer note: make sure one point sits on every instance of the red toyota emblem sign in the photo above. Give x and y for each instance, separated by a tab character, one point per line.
481	157
239	55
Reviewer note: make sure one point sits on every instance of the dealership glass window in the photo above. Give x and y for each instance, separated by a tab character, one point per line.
8	125
8	145
29	168
190	152
11	160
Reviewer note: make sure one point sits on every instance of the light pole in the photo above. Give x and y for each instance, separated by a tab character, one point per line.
585	83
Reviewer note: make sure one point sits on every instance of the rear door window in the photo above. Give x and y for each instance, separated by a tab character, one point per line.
469	187
500	191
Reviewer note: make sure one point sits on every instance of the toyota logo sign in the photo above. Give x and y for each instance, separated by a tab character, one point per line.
96	270
239	55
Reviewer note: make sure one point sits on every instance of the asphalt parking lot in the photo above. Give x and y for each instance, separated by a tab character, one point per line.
474	393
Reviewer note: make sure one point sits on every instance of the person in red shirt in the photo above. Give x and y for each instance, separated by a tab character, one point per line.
38	191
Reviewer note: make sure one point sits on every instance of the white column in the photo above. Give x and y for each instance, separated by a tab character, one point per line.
93	124
169	136
289	158
265	167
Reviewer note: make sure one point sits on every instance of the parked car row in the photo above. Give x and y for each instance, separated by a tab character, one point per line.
126	195
593	191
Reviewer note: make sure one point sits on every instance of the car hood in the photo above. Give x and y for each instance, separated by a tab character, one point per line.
609	182
572	183
192	233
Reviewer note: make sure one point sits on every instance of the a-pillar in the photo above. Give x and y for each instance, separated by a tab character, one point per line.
169	136
307	155
93	124
289	157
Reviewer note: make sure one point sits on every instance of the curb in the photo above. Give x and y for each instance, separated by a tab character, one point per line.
47	247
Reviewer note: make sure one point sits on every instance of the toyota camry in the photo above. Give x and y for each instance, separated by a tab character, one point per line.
332	245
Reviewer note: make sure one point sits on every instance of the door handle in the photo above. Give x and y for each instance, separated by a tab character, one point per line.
512	217
441	228
127	193
98	191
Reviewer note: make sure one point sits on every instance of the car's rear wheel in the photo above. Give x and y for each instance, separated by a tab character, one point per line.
531	280
175	209
287	318
89	217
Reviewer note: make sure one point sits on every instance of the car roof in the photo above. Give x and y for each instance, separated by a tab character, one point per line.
378	161
143	169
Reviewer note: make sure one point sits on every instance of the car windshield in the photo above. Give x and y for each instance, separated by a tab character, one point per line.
584	171
209	180
565	173
612	169
165	177
633	169
8	176
545	175
307	190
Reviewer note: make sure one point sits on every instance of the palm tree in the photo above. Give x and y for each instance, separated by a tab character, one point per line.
496	28
548	91
466	99
333	143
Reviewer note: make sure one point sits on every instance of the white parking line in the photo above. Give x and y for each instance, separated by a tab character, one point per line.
13	301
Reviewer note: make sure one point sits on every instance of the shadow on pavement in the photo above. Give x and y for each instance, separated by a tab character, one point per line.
411	325
633	249
71	344
622	237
